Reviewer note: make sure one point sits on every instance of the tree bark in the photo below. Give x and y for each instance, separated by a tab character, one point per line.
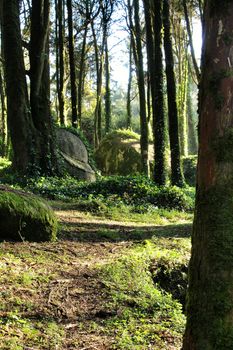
61	88
129	87
18	110
82	75
157	99
210	303
176	169
189	31
108	112
141	90
44	148
72	65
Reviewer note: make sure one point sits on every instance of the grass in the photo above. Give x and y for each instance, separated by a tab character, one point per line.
109	282
87	293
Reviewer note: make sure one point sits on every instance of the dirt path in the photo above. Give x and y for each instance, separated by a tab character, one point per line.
58	282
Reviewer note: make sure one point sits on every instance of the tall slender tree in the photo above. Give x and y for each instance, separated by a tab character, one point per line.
73	82
44	148
176	169
141	89
157	98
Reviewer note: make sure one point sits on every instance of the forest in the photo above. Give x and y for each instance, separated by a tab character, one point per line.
116	129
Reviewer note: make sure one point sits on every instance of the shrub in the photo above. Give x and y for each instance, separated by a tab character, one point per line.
23	216
132	190
189	169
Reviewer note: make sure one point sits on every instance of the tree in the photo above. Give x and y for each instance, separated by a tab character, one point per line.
44	142
176	169
30	123
138	57
72	65
210	304
157	98
18	109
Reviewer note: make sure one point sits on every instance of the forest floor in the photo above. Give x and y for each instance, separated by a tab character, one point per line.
95	288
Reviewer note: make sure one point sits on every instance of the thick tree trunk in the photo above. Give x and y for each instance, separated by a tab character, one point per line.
72	65
18	111
176	169
210	302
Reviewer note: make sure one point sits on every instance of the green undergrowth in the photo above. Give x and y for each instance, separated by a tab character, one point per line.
137	192
25	272
146	315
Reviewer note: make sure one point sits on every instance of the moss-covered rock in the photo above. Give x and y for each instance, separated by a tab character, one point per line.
119	153
24	216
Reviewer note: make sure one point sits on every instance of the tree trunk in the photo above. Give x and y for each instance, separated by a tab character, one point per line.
108	116
189	31
44	147
157	99
192	128
210	303
176	169
72	65
141	90
61	88
18	111
82	75
128	103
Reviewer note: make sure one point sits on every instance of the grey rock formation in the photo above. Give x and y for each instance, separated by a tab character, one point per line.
75	155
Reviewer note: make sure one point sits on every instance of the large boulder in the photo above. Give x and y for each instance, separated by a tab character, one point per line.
119	153
75	155
23	216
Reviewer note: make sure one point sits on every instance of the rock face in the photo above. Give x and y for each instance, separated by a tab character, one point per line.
75	155
119	154
24	216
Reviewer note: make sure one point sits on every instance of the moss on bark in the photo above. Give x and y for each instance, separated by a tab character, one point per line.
210	300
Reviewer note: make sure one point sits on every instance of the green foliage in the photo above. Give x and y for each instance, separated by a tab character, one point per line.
132	190
25	217
145	314
189	169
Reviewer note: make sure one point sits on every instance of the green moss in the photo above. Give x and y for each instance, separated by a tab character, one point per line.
223	147
210	302
117	155
25	217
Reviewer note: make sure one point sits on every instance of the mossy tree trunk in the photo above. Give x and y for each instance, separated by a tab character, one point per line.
61	65
18	110
210	302
157	99
73	86
81	74
107	97
141	89
176	168
44	147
